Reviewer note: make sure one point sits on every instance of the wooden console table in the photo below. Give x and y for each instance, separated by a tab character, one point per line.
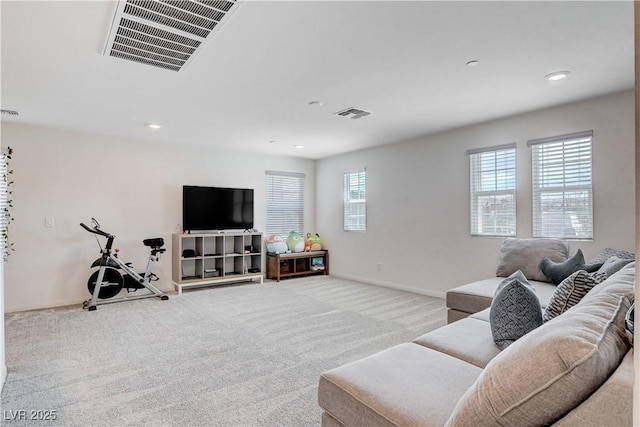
297	264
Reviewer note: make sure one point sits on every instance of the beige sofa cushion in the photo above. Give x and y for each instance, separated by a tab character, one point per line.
407	385
477	296
468	339
482	315
610	405
548	372
455	315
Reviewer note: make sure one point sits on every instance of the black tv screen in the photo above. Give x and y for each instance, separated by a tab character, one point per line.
216	208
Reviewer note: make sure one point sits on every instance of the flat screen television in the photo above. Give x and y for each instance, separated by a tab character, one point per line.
216	208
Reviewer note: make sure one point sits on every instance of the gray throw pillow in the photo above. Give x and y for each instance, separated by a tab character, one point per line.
526	255
613	265
515	310
558	271
570	292
608	253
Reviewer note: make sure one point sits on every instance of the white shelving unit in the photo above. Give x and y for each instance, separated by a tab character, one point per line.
217	258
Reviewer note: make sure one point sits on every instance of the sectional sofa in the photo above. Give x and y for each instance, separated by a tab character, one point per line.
574	369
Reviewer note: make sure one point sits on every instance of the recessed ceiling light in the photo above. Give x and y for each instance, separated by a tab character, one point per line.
473	63
154	126
315	104
299	147
272	142
558	75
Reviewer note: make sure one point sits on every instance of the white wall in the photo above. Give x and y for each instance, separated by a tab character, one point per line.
418	200
418	197
134	188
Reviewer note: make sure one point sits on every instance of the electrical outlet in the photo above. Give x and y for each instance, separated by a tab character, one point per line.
49	222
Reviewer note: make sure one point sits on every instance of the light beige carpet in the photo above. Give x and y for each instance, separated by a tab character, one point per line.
244	355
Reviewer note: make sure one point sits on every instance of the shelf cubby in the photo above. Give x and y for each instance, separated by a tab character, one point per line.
219	258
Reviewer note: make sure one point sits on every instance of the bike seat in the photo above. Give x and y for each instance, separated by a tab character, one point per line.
154	243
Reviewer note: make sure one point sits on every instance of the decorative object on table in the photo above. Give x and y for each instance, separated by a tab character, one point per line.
295	242
313	242
188	253
317	264
276	245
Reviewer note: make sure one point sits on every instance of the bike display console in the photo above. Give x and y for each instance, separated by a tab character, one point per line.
211	259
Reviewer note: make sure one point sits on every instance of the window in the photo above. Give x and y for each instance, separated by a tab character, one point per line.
493	191
355	203
285	203
562	186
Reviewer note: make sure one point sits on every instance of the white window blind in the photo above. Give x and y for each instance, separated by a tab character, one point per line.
355	202
493	191
285	203
562	186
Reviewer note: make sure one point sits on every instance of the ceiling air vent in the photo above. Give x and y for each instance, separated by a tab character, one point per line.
354	113
165	33
9	112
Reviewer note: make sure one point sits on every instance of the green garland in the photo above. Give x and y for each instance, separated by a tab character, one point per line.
7	248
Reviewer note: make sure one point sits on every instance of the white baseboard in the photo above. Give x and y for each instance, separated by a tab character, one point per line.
42	306
392	285
65	303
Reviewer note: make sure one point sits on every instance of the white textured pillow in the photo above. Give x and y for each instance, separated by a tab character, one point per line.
527	254
541	377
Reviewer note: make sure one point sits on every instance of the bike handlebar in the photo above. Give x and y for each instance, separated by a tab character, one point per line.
95	230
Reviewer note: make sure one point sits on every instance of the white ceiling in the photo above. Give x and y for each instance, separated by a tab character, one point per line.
251	84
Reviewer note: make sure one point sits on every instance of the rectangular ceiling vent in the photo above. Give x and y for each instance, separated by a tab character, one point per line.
354	113
9	112
165	33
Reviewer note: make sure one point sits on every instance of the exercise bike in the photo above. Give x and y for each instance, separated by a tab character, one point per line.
107	282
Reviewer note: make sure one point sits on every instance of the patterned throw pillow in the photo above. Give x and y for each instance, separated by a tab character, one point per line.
515	310
570	292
